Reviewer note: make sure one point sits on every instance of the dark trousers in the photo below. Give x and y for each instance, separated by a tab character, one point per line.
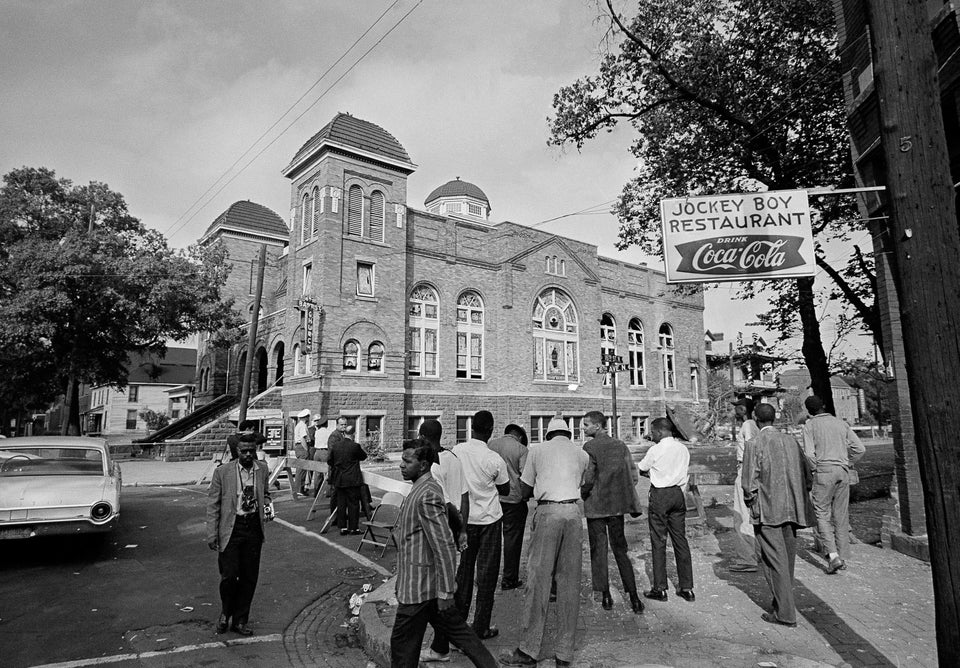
481	558
777	547
409	627
348	508
239	567
668	514
598	528
514	522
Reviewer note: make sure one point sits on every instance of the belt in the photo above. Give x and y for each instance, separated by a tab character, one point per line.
659	488
544	502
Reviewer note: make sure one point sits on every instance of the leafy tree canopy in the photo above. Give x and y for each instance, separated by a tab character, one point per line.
76	297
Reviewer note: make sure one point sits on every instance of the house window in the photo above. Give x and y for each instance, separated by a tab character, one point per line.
639	426
375	357
414	422
555	340
464	426
365	279
539	423
355	211
423	332
373	430
351	355
307	287
695	383
608	337
470	335
317	210
475	209
667	358
453	207
301	361
131	419
377	205
305	219
133	394
636	356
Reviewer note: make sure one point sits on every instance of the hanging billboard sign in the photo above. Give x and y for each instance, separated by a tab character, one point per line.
737	237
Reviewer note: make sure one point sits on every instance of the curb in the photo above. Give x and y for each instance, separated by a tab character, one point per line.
374	635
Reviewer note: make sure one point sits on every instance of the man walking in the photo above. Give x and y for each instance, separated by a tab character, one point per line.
512	447
302	445
552	475
425	568
666	463
831	448
238	506
744	541
609	493
776	481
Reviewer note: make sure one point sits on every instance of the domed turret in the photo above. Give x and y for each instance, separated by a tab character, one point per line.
459	198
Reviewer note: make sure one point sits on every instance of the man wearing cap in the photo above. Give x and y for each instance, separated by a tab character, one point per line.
301	447
552	476
746	545
667	464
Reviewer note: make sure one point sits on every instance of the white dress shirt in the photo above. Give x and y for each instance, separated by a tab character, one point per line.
483	470
449	473
668	462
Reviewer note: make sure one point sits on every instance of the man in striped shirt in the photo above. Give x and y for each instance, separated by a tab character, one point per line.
426	568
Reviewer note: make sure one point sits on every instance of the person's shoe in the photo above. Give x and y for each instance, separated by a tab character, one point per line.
491	632
343	532
242	629
743	568
656	594
428	655
687	595
511	585
773	619
517	658
355	532
834	565
222	624
636	603
607	601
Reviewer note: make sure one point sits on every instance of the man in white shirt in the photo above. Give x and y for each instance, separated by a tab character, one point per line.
666	463
449	473
301	448
486	475
320	448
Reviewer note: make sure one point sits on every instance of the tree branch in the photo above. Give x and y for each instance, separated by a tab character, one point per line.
869	314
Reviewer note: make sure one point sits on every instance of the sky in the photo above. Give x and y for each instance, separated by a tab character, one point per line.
167	102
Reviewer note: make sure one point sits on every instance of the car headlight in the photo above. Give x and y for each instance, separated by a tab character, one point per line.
101	511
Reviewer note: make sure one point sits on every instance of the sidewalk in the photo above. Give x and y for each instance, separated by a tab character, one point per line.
879	612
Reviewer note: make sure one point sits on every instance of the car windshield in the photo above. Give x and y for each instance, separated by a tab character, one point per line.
40	460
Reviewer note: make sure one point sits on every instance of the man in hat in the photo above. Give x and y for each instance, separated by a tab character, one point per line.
775	485
745	544
667	464
321	438
302	444
552	475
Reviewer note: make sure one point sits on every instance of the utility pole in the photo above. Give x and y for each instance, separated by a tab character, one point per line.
925	239
252	335
611	365
71	399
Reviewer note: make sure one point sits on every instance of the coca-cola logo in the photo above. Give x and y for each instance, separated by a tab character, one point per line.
734	256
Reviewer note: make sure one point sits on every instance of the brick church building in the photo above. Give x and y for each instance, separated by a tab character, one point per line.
390	314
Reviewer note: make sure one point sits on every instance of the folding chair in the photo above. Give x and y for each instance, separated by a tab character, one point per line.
379	528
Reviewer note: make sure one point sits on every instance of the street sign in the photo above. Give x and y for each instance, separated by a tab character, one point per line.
601	369
610	358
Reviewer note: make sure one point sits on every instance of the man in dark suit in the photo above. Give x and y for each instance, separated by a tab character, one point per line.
239	506
344	458
426	568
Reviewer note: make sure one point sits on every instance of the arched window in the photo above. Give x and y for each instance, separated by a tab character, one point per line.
375	357
317	210
555	337
470	335
351	355
636	360
376	215
297	360
305	218
608	338
667	358
547	265
355	211
423	332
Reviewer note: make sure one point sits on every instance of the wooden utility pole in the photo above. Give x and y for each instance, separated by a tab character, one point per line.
252	335
926	242
612	363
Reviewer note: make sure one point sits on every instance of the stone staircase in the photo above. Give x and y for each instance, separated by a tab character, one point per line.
211	439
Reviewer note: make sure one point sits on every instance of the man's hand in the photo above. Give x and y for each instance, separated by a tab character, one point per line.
213	543
444	603
462	541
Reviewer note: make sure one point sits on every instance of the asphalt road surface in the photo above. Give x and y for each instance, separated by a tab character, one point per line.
147	594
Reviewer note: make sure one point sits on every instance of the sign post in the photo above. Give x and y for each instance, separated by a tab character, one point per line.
611	365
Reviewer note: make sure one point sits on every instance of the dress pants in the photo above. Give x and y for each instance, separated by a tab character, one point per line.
514	522
831	500
481	558
777	553
409	627
598	528
239	565
299	480
668	514
348	508
554	553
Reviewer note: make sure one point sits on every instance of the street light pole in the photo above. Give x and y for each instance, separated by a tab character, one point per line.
611	365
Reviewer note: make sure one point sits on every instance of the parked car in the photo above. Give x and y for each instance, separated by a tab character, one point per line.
52	485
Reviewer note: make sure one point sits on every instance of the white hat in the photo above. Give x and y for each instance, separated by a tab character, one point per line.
304	413
557	423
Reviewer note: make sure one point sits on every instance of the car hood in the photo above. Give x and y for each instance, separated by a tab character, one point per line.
47	491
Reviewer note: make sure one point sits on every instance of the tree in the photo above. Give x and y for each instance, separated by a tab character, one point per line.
731	95
871	379
154	419
83	284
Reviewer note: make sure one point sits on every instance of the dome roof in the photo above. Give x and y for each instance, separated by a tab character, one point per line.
247	216
457	188
347	131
